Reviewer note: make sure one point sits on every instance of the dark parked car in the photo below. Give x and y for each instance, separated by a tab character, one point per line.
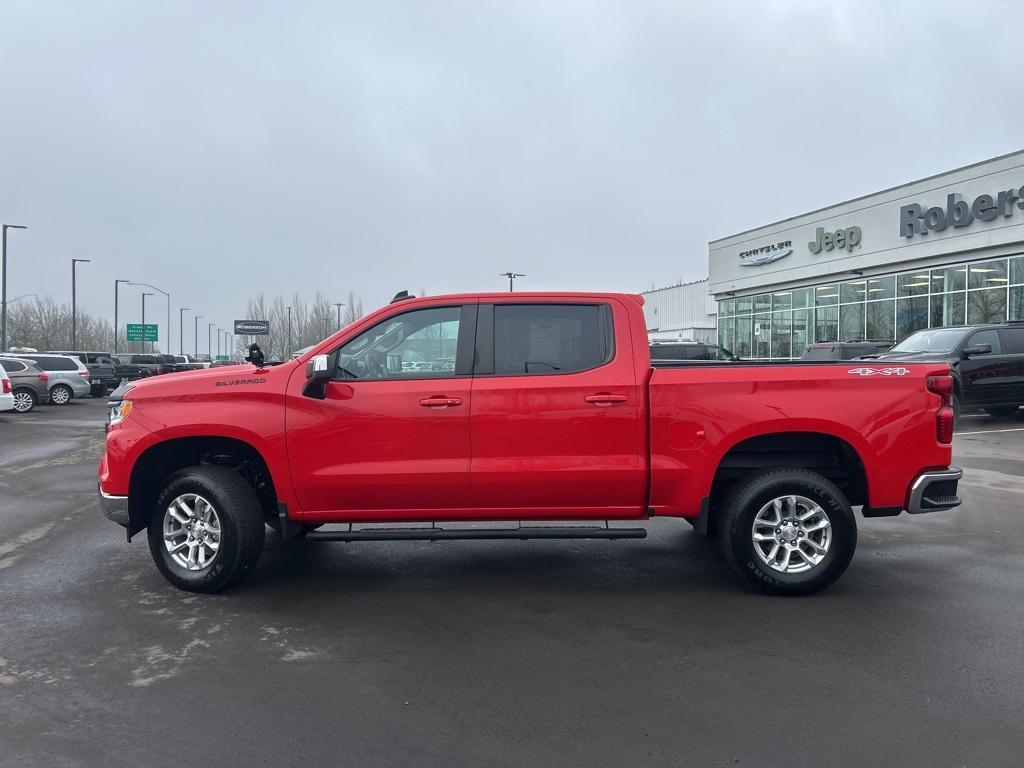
29	385
690	350
129	365
101	370
845	350
987	363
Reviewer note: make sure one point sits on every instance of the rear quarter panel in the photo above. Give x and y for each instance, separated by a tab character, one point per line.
698	414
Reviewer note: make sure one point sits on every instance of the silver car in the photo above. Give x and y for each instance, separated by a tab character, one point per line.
68	375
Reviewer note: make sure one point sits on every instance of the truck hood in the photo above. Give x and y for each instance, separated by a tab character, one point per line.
185	382
909	357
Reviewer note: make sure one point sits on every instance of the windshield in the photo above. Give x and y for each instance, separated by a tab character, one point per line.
934	340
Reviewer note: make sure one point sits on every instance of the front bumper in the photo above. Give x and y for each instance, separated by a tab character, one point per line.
114	508
935	491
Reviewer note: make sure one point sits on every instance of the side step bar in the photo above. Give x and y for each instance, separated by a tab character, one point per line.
452	534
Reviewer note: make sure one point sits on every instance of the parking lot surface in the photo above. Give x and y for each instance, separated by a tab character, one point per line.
634	652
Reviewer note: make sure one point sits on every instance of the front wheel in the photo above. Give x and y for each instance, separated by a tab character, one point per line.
206	530
61	394
787	531
24	400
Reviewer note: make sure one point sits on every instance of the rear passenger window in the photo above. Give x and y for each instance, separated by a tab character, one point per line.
13	366
551	338
1013	341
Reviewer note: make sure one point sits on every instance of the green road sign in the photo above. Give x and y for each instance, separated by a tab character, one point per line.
140	332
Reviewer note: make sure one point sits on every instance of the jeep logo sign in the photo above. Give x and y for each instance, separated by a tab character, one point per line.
847	238
252	327
915	220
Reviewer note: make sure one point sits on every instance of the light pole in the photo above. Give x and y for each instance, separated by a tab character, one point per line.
196	343
289	331
3	291
144	295
74	305
511	276
117	284
219	332
181	331
209	334
165	293
339	305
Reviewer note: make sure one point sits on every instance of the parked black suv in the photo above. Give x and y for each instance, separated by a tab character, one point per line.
689	350
845	350
987	363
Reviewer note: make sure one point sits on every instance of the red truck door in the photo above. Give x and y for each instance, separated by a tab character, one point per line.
557	426
392	432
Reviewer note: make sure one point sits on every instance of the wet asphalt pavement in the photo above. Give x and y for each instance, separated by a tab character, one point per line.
623	653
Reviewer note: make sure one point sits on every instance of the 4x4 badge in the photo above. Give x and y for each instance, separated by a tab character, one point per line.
879	371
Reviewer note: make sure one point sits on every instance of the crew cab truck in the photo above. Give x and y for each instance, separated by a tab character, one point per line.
529	407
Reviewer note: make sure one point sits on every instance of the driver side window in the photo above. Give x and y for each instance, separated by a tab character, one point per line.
420	344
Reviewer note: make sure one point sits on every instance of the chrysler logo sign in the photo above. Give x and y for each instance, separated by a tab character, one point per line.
766	254
252	327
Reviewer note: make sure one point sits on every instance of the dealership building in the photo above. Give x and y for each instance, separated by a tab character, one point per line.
945	250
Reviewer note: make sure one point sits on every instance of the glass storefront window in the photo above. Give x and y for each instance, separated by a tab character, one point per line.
911	315
986	306
851	322
802	323
761	336
1017	270
826	324
947	309
988	274
1017	303
853	291
742	348
744	305
763	303
881	288
725	308
726	328
782	327
801	298
881	319
914	284
826	295
951	279
782	300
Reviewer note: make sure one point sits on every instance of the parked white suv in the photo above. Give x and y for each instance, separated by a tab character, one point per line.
6	391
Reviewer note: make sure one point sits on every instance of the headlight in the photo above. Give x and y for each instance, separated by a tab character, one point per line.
119	411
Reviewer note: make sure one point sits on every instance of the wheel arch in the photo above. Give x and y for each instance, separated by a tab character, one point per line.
163	459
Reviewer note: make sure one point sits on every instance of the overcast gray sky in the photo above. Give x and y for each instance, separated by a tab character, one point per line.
215	149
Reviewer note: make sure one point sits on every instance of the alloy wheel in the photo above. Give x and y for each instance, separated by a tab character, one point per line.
192	532
791	534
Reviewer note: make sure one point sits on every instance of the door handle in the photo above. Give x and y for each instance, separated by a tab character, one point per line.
605	399
441	402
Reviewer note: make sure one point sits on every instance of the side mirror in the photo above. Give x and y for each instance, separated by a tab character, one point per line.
318	373
976	349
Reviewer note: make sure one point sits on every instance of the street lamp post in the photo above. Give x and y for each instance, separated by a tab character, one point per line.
3	290
511	276
74	303
165	293
289	331
144	295
196	342
219	332
117	284
209	335
181	331
339	305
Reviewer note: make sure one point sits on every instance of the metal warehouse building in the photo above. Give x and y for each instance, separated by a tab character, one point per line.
945	250
683	312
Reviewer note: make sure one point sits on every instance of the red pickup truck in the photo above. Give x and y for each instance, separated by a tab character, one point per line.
524	407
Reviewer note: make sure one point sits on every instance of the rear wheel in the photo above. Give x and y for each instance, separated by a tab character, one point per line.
787	531
98	390
206	530
61	394
24	400
1002	411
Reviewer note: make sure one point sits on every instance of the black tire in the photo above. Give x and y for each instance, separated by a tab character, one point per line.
736	521
61	394
1002	411
241	519
956	410
25	399
98	391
